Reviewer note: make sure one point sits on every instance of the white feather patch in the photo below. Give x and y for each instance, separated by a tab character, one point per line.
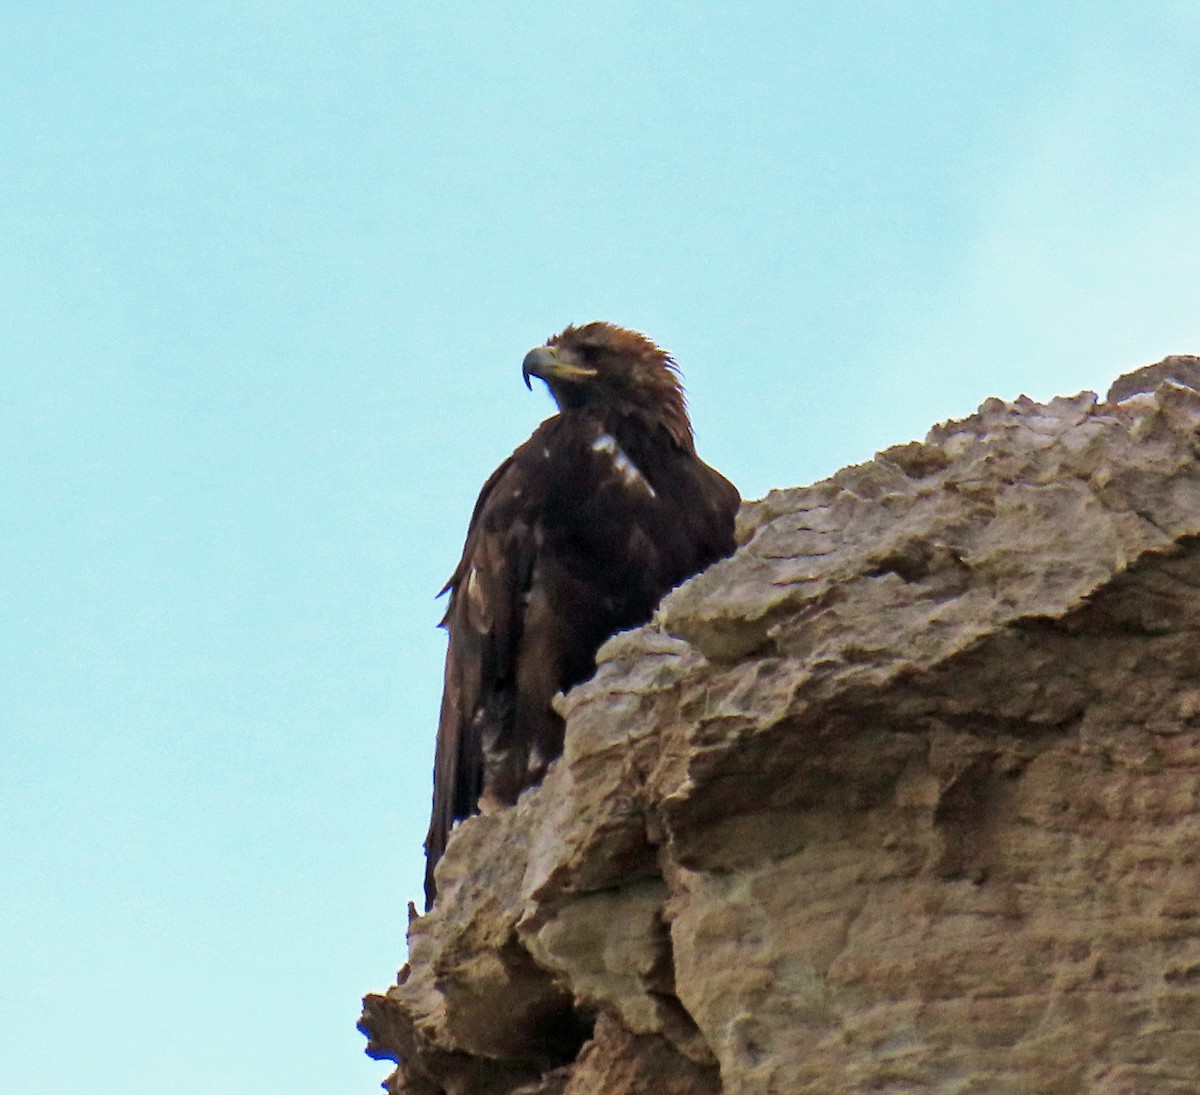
628	470
478	607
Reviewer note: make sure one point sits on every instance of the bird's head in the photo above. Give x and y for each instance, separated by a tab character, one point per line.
613	370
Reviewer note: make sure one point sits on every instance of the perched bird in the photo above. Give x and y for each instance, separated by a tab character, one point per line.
575	537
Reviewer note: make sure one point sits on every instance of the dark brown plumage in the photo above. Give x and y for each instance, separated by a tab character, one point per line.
575	537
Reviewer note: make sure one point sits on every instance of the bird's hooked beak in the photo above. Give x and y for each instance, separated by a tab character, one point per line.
549	364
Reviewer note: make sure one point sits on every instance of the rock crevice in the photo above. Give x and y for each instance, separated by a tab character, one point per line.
903	796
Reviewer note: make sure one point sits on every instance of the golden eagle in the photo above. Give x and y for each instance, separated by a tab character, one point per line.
575	537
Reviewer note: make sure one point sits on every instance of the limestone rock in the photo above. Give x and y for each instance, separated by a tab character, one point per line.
903	797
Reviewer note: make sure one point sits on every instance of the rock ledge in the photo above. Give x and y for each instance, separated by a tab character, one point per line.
903	797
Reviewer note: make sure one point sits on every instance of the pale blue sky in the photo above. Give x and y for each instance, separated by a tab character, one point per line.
267	276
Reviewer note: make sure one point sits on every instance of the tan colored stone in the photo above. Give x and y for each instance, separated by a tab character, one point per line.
903	797
617	1062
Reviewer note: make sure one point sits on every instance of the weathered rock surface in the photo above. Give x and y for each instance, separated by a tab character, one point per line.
903	797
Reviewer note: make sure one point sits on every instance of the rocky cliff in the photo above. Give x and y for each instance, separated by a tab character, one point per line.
903	797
